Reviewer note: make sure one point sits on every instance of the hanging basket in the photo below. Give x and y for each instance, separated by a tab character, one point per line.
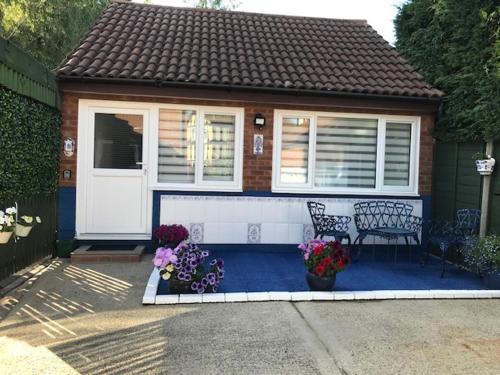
485	167
23	230
5	237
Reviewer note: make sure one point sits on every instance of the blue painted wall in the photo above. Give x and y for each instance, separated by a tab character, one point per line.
66	213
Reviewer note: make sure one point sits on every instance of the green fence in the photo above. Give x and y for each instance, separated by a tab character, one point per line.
456	183
20	73
19	253
29	144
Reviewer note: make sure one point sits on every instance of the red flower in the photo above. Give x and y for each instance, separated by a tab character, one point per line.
320	269
340	263
318	249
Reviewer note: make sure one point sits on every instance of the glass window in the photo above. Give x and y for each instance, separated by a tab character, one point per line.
325	152
218	147
118	141
198	148
397	154
294	150
346	152
177	146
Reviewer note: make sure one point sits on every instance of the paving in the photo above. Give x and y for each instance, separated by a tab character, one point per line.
263	271
88	319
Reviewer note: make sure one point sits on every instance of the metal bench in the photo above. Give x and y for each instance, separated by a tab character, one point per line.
386	219
446	235
328	225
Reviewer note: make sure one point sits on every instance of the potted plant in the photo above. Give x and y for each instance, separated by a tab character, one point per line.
183	267
25	224
482	255
484	163
170	236
7	224
323	261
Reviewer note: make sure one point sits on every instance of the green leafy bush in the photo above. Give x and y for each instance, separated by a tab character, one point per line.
29	146
455	44
483	254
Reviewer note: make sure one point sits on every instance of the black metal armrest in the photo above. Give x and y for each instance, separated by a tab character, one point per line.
339	223
413	223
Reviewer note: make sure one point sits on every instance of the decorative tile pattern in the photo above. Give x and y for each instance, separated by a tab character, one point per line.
308	232
254	233
196	232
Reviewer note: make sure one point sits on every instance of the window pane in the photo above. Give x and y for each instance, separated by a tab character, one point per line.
294	150
218	147
177	146
397	154
346	152
117	141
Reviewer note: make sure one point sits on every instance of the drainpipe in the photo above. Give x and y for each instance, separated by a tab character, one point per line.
485	199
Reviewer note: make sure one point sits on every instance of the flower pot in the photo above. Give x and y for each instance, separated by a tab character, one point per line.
179	287
317	283
485	167
23	230
492	280
5	237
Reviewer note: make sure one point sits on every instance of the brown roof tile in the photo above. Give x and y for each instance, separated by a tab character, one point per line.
195	46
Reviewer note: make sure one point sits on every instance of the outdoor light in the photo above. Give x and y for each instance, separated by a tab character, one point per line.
259	121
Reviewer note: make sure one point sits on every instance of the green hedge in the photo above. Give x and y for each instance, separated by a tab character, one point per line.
29	146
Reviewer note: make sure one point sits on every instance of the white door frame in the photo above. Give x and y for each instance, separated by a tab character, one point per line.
85	147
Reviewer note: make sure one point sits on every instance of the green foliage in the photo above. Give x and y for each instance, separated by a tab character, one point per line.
482	254
455	45
214	4
47	29
29	144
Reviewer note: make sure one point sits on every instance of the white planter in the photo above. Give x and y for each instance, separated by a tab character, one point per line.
23	230
485	167
5	237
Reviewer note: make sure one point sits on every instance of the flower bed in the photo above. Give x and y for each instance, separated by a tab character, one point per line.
183	267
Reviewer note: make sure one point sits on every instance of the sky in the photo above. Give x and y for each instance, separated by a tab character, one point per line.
379	13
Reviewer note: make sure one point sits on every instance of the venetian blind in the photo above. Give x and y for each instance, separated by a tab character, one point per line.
218	147
177	146
294	150
346	152
397	154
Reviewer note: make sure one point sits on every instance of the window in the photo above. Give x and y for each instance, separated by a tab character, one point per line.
344	153
200	148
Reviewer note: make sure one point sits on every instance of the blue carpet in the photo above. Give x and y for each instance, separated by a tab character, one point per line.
284	271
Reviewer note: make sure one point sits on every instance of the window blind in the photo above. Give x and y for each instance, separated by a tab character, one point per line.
294	150
177	146
397	154
346	152
218	147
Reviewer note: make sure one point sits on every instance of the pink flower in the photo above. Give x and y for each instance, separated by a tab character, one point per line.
163	257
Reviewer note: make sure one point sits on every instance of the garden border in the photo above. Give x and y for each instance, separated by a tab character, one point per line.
151	298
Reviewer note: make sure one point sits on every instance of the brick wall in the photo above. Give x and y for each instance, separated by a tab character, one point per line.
257	169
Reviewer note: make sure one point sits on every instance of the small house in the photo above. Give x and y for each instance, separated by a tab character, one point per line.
229	122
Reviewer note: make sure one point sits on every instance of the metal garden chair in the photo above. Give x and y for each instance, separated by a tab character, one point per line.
328	225
446	235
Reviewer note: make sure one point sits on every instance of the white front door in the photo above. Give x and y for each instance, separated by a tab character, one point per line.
113	199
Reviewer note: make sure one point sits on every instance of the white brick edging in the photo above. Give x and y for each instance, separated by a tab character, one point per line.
151	298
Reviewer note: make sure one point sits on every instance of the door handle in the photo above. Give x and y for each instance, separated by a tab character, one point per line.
139	163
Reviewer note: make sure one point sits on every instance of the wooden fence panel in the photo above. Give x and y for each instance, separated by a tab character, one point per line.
20	253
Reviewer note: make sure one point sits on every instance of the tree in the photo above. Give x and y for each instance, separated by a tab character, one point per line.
455	45
215	4
47	29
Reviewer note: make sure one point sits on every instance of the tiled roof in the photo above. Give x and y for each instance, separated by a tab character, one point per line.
225	48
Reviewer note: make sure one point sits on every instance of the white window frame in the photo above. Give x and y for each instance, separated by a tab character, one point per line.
380	188
199	184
